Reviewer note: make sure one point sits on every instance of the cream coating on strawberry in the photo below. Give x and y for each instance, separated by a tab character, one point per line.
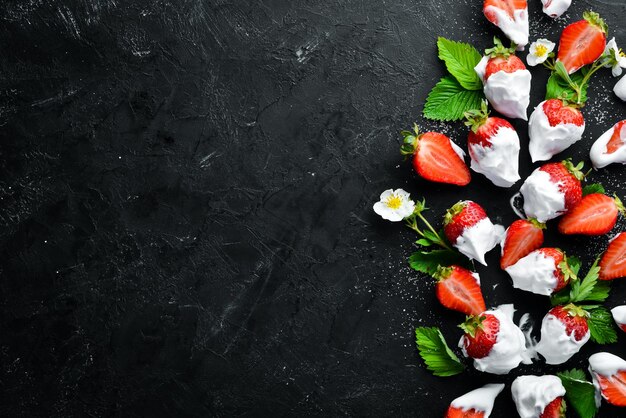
555	8
620	89
564	332
554	133
608	372
619	316
509	349
539	272
532	394
480	400
610	148
511	16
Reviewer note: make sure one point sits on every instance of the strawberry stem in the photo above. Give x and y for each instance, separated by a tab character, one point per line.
411	222
477	118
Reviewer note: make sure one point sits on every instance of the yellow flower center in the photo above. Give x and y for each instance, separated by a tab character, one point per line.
394	201
541	50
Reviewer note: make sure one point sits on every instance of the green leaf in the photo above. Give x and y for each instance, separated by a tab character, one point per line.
437	355
460	59
580	393
593	188
430	235
590	289
449	101
559	88
574	264
428	261
601	326
424	242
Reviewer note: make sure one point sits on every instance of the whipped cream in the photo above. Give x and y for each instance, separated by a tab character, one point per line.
620	89
546	140
534	273
515	29
542	198
555	345
604	364
555	8
533	393
479	239
458	150
481	399
510	347
598	155
508	93
619	315
499	162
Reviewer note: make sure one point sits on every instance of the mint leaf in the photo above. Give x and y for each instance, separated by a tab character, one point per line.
428	261
460	59
580	393
449	101
601	326
593	188
437	355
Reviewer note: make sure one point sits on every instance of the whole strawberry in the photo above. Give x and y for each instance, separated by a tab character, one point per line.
459	289
511	16
520	239
553	127
538	396
552	190
595	214
466	406
564	330
469	230
582	42
619	316
544	271
555	409
435	157
493	146
610	147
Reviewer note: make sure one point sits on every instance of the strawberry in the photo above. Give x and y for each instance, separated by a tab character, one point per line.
568	177
553	127
616	141
582	42
511	16
522	237
574	319
435	158
596	214
508	6
481	334
604	150
552	277
458	289
461	216
459	413
559	113
613	262
508	64
613	387
466	406
619	316
555	409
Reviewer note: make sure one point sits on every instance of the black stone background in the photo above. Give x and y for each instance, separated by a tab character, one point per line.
186	192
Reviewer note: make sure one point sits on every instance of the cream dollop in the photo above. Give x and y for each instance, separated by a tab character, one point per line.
546	140
619	316
542	198
555	8
534	273
598	155
533	393
510	347
508	93
620	89
517	28
481	399
555	345
604	364
500	161
479	239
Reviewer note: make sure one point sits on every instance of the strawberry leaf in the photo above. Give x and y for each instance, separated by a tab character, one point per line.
437	355
601	326
580	393
449	101
424	242
428	261
593	188
460	59
589	289
559	88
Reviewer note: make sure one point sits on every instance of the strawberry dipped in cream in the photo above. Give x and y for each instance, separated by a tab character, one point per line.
609	377
493	146
619	316
564	331
610	148
544	272
553	127
538	396
555	8
477	403
470	231
493	340
506	81
511	16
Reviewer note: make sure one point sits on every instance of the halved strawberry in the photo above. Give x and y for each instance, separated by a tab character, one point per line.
481	334
616	141
558	113
613	388
508	6
582	42
596	214
459	290
522	237
460	216
555	409
434	158
459	413
613	262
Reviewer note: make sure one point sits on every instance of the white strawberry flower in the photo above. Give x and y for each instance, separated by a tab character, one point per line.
394	205
614	58
539	51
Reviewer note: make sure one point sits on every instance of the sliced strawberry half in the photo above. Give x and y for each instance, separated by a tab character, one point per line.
555	409
613	388
458	289
460	216
558	113
459	413
508	6
613	262
617	139
522	237
582	42
596	214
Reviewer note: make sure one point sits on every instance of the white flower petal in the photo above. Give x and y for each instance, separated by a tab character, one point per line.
617	70
532	60
384	195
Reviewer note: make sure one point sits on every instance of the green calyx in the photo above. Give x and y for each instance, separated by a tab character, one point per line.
568	273
409	141
472	324
453	211
442	273
536	223
477	118
573	310
619	205
499	50
594	19
575	170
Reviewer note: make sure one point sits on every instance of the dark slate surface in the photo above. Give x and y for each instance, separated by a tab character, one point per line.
186	191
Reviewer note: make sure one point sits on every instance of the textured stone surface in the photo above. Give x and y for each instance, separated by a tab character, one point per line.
185	206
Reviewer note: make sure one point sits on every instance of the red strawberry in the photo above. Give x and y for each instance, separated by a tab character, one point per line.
560	270
460	216
459	413
509	6
613	262
508	64
458	289
616	141
555	409
568	177
574	319
434	157
613	387
582	42
559	113
481	333
483	127
522	237
596	214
